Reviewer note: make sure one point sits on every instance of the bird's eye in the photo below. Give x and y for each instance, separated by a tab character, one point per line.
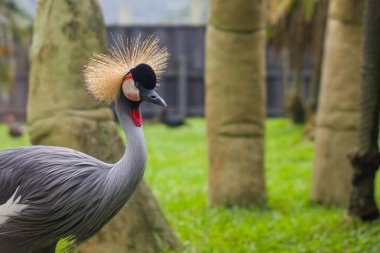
137	84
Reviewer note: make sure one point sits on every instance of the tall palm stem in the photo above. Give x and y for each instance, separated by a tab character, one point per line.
366	159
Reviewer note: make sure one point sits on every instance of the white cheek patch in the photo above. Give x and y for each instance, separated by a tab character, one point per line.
11	208
130	90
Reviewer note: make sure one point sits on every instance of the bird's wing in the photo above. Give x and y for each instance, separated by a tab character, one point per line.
7	181
37	166
43	183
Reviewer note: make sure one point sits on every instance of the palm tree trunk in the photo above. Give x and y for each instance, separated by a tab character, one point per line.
318	37
294	103
366	159
315	84
338	112
285	70
235	101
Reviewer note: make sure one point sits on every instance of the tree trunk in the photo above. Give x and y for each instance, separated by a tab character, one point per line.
317	39
337	117
366	159
315	84
294	103
235	101
60	112
295	108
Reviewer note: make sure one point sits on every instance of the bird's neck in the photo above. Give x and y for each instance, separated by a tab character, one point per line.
130	169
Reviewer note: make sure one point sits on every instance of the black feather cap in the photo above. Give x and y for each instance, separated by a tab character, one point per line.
144	75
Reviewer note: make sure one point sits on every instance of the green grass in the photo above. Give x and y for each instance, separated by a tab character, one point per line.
7	142
177	174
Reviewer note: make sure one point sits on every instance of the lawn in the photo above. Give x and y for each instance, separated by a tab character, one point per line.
177	174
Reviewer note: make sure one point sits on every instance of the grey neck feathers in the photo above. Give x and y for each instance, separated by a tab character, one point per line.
127	173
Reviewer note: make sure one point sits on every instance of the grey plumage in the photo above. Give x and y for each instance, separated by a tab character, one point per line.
67	194
49	193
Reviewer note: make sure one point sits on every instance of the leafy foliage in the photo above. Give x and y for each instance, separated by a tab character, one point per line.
15	18
15	27
298	26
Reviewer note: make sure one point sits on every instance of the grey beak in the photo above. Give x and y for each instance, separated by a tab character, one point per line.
152	97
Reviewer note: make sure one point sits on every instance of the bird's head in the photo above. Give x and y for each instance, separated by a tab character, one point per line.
138	86
128	75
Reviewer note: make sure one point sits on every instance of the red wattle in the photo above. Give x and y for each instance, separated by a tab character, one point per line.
136	117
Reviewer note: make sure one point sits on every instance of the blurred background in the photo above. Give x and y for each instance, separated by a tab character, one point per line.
180	25
265	145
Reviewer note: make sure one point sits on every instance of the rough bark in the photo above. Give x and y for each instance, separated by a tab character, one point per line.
366	159
338	117
235	102
60	112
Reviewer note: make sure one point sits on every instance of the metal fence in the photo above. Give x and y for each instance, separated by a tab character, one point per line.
182	85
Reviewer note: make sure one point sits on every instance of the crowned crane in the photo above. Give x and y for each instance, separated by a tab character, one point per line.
48	193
